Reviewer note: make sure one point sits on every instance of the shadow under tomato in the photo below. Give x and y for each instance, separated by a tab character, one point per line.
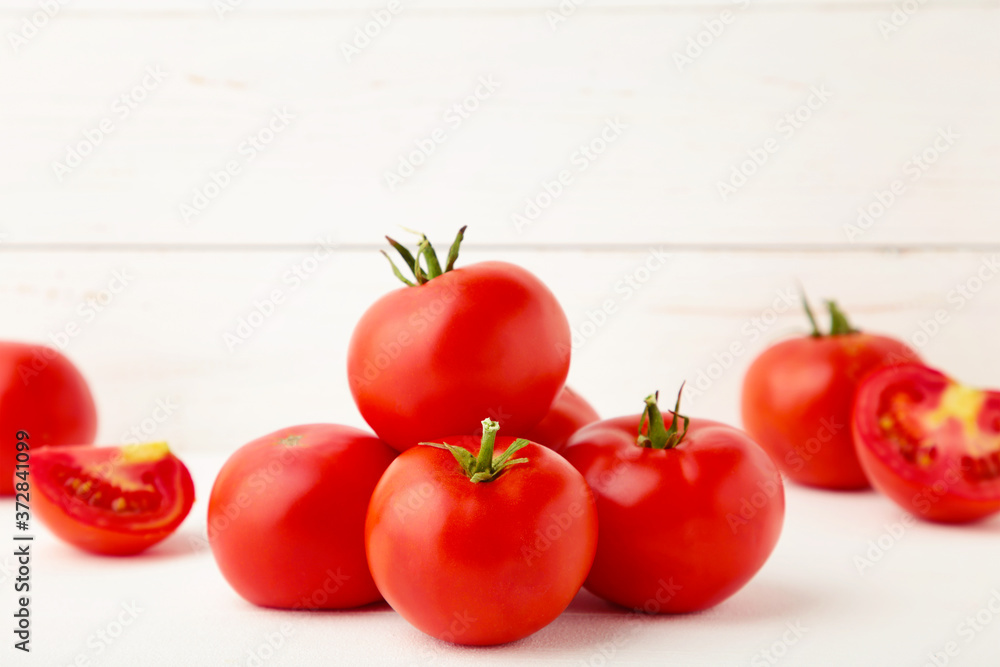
375	607
759	599
181	544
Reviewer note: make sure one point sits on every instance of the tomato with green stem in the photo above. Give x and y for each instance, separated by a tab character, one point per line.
430	359
110	500
798	394
929	443
476	547
689	509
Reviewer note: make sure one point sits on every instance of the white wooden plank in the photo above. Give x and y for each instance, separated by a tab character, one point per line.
687	129
161	338
119	7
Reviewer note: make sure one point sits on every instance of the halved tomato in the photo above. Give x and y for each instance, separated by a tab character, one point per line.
930	443
110	500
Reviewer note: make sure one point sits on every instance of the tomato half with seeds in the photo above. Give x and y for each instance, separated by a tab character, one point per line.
568	414
110	500
930	443
798	394
688	514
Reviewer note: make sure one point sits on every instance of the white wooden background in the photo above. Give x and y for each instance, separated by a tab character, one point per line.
321	181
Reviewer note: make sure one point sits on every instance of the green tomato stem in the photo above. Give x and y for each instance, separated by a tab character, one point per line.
657	436
486	467
425	265
839	324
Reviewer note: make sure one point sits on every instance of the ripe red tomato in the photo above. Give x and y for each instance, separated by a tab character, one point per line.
797	399
45	395
930	443
287	514
483	550
568	415
430	359
110	500
687	516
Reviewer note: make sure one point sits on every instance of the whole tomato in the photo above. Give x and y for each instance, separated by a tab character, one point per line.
687	516
430	359
798	394
568	415
109	500
930	443
42	393
479	548
287	513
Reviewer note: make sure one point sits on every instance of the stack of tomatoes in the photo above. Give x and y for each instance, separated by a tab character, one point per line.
490	493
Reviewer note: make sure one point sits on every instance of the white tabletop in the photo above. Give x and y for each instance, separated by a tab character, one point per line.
849	583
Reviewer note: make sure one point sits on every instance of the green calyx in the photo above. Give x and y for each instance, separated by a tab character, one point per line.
657	436
485	467
424	265
839	324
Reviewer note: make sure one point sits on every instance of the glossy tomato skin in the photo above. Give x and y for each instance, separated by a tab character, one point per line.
797	400
42	393
480	563
944	481
86	516
429	361
681	529
286	517
568	415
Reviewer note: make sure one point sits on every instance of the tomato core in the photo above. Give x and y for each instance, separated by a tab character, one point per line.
961	424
